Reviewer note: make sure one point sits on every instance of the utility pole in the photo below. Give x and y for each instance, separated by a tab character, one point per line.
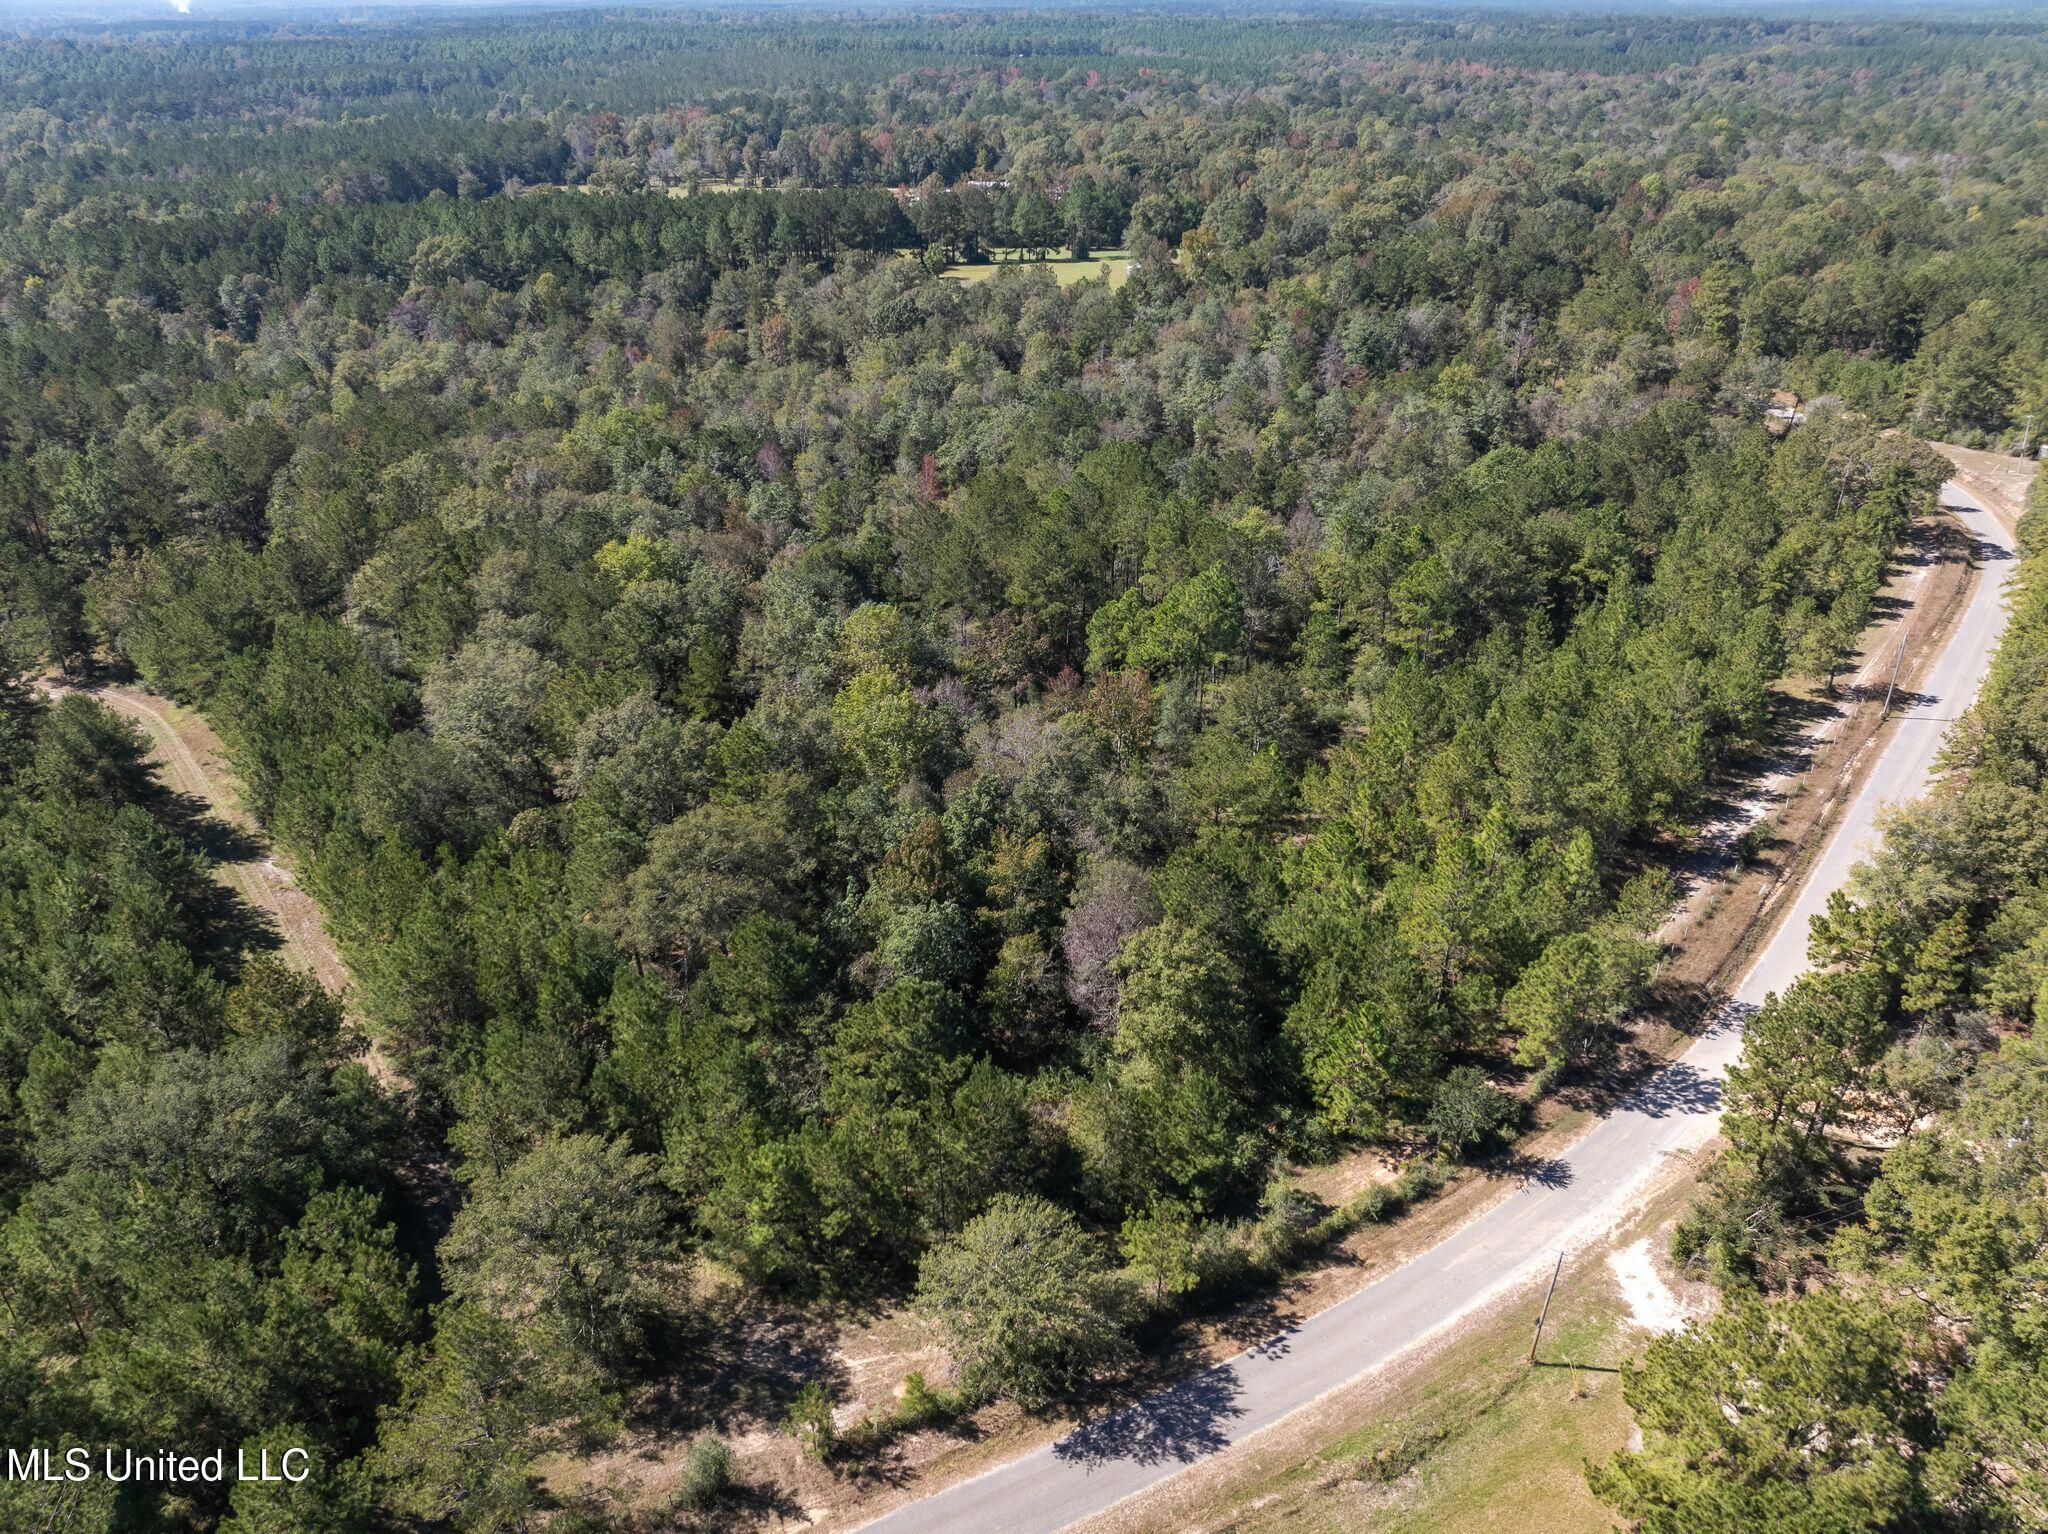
1893	685
1544	1314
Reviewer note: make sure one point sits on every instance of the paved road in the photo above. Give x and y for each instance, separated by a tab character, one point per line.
1515	1241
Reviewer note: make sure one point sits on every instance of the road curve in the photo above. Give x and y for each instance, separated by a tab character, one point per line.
1578	1198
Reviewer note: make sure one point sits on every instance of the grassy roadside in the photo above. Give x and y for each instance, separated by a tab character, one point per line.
1470	1437
1486	1442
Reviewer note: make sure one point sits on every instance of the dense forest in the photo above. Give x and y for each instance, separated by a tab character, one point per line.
825	772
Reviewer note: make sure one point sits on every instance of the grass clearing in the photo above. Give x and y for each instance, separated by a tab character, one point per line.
1115	264
707	186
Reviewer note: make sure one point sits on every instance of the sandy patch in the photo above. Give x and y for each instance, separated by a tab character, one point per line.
1651	1303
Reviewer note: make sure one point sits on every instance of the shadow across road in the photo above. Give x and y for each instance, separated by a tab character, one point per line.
1542	1171
1678	1088
1182	1423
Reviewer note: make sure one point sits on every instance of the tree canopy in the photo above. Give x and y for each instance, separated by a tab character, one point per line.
825	736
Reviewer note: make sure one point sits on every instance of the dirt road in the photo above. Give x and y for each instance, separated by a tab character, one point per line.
1574	1203
192	762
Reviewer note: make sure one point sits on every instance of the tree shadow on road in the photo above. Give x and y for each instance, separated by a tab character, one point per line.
234	929
1632	1078
1985	551
1275	1344
1259	1316
1686	1005
1543	1171
1680	1088
1179	1424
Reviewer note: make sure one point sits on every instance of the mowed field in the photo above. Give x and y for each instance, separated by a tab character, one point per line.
1115	264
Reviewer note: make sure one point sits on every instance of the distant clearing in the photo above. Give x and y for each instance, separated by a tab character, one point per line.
1115	264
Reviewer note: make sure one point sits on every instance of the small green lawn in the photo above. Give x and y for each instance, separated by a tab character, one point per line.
1065	272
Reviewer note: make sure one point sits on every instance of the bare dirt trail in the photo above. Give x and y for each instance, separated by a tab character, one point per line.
193	763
